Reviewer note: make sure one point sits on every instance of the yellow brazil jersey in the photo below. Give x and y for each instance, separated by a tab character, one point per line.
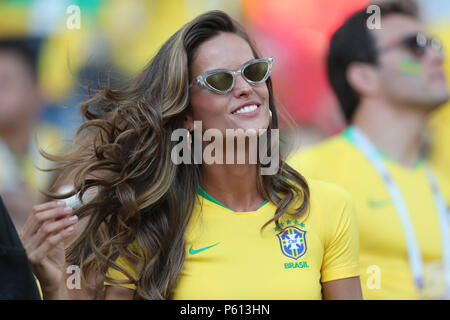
227	257
439	126
385	271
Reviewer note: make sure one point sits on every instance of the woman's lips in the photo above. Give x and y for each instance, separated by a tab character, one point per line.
247	111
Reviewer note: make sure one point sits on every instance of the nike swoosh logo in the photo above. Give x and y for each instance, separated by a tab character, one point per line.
193	251
378	204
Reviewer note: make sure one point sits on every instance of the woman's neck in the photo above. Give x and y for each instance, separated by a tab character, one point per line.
235	186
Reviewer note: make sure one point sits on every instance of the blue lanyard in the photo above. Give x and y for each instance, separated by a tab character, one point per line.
413	250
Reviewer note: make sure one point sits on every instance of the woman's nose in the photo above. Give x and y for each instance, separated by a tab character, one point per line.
241	87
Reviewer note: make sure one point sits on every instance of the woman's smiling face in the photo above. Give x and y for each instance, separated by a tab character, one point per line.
218	111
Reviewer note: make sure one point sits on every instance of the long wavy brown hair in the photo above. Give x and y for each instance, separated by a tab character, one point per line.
124	149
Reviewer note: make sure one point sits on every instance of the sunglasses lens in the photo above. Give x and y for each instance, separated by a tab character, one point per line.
257	71
417	44
436	44
221	81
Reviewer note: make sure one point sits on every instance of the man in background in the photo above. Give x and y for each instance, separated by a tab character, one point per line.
439	127
20	107
388	81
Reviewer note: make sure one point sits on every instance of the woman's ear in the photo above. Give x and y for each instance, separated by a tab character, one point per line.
363	78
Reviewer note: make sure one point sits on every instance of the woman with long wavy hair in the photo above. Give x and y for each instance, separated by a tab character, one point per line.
156	228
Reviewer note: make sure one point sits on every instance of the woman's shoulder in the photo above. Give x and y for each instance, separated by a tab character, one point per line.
324	195
332	211
326	190
328	198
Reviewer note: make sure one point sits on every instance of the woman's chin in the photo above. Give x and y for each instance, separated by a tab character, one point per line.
255	125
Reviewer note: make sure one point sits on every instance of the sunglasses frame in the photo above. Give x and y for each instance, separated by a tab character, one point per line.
201	79
422	40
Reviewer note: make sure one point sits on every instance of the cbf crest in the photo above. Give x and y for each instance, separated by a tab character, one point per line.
292	242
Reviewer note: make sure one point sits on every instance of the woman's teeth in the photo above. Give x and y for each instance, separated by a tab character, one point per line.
246	109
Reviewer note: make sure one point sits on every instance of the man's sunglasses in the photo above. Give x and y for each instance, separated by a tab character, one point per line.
222	81
417	44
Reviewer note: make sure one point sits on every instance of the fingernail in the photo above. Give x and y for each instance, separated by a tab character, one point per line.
70	229
73	218
67	209
60	203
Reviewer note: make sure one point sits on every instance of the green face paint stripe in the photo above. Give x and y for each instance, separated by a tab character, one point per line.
410	67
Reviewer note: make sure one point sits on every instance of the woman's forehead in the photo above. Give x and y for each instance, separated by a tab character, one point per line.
225	51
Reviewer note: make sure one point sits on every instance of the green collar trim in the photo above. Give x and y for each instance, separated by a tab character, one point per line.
205	195
348	135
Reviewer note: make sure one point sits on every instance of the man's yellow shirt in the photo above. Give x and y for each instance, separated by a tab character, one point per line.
228	257
385	271
439	126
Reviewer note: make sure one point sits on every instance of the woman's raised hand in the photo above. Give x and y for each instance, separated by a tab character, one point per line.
43	235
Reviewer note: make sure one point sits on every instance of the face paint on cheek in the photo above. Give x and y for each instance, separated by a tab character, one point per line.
409	68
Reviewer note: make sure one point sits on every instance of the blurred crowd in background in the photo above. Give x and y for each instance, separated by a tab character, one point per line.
72	45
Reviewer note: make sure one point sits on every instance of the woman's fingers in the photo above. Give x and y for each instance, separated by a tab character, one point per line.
47	205
46	212
30	224
46	221
38	254
48	229
52	214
